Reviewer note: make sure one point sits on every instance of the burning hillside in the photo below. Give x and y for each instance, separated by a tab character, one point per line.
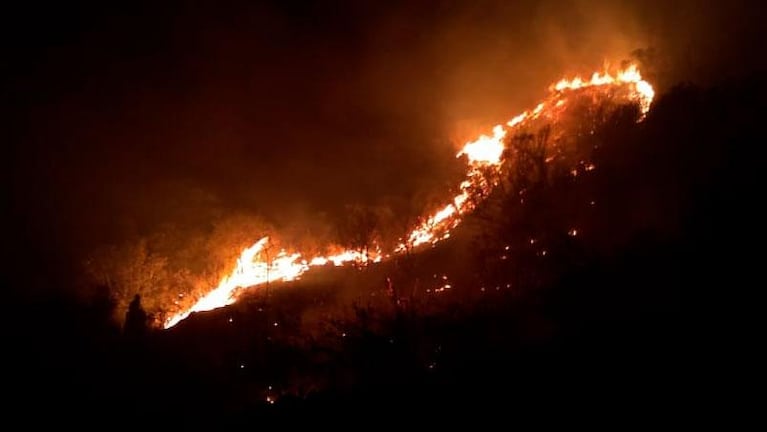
484	157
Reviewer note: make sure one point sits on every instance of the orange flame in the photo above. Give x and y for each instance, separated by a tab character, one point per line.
253	269
486	152
249	271
641	90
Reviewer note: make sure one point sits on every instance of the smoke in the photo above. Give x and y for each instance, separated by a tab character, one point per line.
130	119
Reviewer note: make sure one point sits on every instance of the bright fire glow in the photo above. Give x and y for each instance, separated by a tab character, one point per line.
485	150
253	268
641	90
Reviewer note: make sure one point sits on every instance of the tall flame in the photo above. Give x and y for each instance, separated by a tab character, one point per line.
254	268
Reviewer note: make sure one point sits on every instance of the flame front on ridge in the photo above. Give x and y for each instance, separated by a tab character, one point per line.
486	152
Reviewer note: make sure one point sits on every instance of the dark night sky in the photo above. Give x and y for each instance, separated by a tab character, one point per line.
130	115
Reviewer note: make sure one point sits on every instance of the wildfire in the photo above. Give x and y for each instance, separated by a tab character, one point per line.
641	90
255	268
485	150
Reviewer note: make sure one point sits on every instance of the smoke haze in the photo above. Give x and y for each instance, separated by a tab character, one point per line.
124	118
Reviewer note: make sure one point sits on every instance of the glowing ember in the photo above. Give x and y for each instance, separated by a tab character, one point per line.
483	154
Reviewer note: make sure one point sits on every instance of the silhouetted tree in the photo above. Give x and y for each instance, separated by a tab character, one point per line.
359	229
135	319
527	159
133	267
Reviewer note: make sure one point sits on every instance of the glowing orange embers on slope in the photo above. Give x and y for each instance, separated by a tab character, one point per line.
485	153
